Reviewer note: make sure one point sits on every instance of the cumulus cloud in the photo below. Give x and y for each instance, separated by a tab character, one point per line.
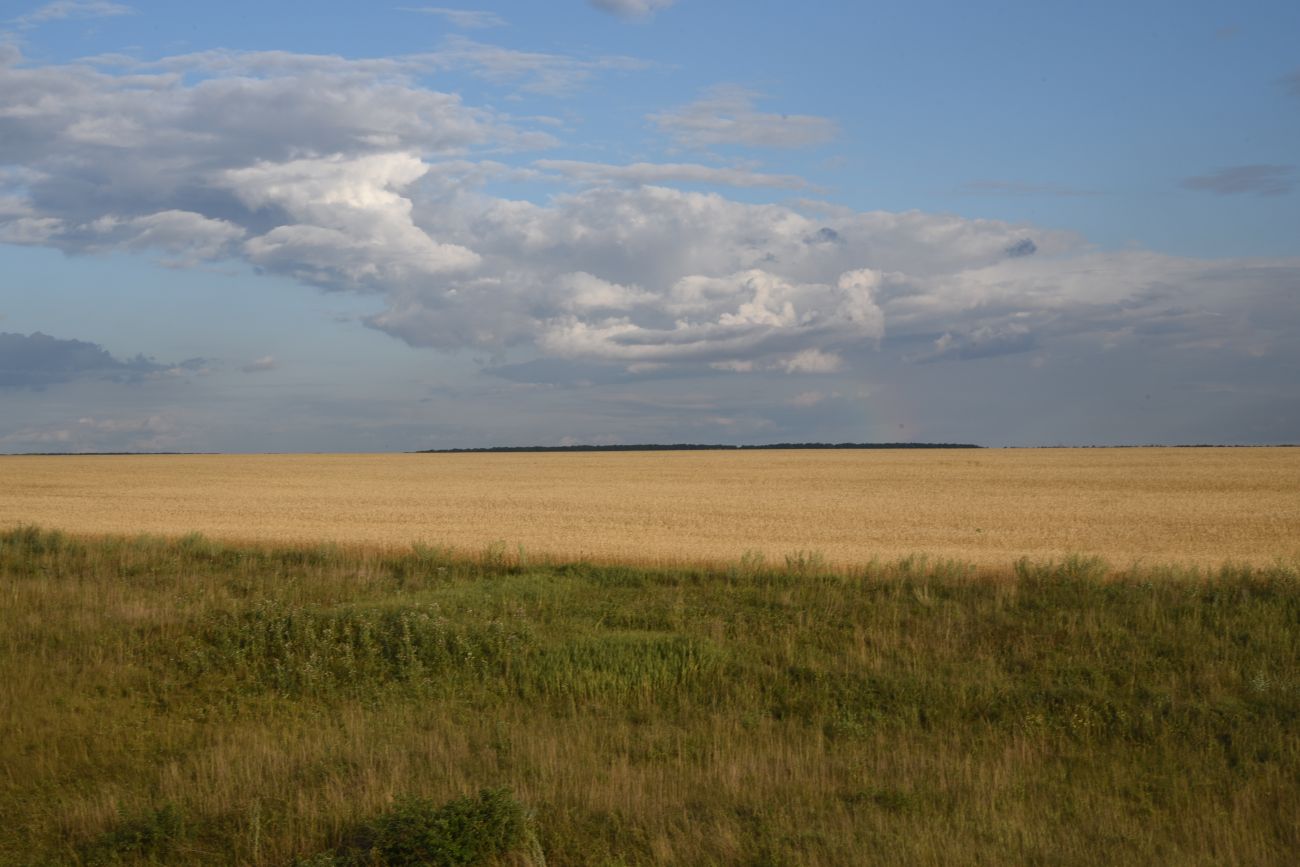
37	361
348	226
583	291
726	320
149	156
632	8
351	176
1261	180
186	237
726	115
640	275
470	19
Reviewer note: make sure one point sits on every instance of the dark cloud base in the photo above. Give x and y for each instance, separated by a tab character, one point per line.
37	361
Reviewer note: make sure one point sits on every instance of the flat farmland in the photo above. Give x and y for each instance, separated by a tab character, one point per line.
990	507
650	691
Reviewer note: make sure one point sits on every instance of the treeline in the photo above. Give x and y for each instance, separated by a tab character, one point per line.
700	447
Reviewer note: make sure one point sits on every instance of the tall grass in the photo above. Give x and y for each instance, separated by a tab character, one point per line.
190	702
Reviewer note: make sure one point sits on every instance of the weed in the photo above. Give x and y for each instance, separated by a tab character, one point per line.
803	562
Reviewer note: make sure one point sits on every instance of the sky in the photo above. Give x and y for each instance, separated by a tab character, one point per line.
346	227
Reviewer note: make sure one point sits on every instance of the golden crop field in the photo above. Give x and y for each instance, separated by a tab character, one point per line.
1190	506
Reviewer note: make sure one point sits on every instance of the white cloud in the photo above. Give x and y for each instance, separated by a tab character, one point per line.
65	9
470	19
187	237
30	230
726	115
351	224
590	173
151	433
148	160
261	365
726	321
533	71
582	291
733	366
97	142
812	361
231	105
632	8
808	398
986	341
657	276
352	176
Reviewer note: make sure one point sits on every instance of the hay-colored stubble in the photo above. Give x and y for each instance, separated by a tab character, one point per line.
1186	506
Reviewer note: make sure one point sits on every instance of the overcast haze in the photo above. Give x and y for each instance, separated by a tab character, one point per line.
343	227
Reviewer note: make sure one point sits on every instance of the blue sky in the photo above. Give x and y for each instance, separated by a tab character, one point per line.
339	227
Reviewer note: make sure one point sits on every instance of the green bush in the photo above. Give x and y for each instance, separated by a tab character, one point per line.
143	839
416	832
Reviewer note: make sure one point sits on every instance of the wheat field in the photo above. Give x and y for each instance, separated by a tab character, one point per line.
1183	506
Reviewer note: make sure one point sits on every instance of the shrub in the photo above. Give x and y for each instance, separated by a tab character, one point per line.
147	838
416	832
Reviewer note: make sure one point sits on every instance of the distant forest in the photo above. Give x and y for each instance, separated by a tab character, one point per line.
700	447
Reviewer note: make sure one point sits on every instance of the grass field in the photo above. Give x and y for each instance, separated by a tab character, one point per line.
657	658
191	702
1159	506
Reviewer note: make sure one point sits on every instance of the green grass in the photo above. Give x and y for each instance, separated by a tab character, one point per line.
188	702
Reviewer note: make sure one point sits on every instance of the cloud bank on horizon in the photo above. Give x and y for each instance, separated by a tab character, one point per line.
644	289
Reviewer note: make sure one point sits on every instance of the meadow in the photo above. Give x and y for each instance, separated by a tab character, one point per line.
192	702
251	697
